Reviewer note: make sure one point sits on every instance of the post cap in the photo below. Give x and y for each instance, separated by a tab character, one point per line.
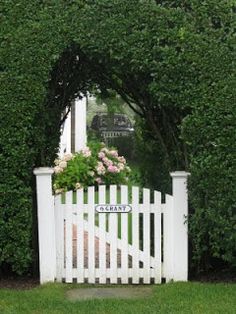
180	174
43	171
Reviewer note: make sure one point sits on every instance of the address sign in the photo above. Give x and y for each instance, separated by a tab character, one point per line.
120	208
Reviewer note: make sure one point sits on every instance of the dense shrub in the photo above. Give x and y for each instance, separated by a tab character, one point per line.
94	165
209	133
150	158
125	146
166	60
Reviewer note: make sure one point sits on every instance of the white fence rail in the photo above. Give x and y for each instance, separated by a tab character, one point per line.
144	245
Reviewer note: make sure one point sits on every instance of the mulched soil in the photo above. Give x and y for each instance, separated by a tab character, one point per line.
223	276
23	283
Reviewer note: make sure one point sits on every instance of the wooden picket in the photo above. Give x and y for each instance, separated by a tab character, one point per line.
59	238
68	236
124	237
135	234
146	235
113	228
102	237
157	236
88	252
80	235
91	240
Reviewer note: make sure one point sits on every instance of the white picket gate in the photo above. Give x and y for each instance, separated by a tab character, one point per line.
79	244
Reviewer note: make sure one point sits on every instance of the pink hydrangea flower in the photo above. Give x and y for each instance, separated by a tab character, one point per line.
56	162
121	166
99	164
122	159
98	180
86	152
100	168
77	185
107	161
105	150
63	164
58	169
59	191
113	153
113	169
67	157
101	155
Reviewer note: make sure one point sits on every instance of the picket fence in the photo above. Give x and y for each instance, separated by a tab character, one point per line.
135	238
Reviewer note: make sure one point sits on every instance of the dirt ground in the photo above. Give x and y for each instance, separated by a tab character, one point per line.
22	283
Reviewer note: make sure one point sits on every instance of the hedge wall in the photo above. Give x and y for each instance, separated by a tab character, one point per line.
153	55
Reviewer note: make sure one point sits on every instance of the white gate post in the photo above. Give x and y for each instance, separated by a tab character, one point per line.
180	228
46	224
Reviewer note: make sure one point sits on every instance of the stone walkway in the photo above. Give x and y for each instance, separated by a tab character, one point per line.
127	292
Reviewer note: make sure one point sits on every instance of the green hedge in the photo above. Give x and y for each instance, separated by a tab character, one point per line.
211	135
153	56
150	158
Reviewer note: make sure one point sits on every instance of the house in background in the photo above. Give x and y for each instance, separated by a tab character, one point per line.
74	129
115	129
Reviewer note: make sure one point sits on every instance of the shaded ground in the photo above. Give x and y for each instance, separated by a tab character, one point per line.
225	276
25	283
22	283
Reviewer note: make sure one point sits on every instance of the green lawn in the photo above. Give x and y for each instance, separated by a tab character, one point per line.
168	298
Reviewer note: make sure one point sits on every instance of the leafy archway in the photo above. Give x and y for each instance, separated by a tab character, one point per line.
165	62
